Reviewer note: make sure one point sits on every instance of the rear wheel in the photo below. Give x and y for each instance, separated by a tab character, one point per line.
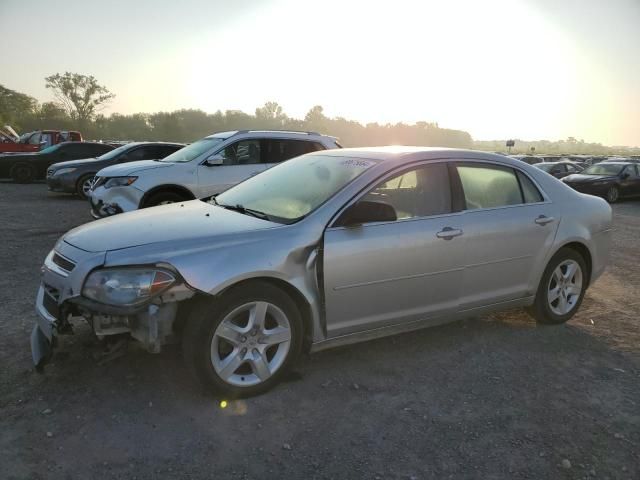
613	194
241	344
163	198
83	186
23	173
561	288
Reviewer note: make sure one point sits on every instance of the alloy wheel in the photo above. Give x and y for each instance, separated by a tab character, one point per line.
565	287
613	194
251	343
86	186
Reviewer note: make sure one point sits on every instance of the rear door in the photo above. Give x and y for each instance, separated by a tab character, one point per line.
509	227
241	160
385	273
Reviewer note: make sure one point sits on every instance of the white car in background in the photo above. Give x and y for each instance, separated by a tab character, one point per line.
204	168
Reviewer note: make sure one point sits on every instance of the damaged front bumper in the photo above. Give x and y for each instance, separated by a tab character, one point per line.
42	334
58	298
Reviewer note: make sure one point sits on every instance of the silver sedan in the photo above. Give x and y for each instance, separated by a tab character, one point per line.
329	248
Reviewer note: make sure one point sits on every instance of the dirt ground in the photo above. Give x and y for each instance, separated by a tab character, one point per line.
485	398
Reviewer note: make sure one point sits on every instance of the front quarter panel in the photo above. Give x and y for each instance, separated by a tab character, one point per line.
285	253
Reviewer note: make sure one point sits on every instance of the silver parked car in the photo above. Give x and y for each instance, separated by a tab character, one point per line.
330	248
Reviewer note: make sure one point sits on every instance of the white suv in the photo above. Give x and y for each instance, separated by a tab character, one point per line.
201	169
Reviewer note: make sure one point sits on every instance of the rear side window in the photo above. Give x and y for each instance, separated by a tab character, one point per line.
489	186
276	150
530	192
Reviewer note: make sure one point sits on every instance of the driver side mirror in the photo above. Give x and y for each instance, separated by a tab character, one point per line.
625	175
214	160
365	212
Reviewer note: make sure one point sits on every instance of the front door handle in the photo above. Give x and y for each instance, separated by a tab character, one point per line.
543	220
448	233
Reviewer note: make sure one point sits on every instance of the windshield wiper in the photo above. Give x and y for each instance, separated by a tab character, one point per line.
240	209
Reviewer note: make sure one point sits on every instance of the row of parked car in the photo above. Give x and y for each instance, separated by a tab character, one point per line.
609	177
144	174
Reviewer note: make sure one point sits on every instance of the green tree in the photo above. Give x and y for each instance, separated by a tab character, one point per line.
80	95
271	115
15	107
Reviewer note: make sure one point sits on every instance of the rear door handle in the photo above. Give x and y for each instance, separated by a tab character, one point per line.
448	233
543	220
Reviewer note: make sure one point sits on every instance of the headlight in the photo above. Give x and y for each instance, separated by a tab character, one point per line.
127	286
62	171
119	182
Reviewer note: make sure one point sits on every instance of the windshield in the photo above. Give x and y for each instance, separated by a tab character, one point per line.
116	152
51	149
295	188
604	169
192	151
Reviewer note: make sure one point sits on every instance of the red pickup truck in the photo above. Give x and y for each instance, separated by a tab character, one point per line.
11	142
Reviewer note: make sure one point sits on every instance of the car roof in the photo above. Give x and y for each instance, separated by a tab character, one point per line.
173	144
266	133
407	154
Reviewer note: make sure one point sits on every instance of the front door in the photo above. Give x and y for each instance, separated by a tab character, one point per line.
380	274
241	160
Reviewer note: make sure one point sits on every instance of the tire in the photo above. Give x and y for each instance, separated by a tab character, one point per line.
163	198
569	295
613	194
23	173
81	185
226	356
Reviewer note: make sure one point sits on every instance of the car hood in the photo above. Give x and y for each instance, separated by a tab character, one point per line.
580	178
179	222
75	163
131	168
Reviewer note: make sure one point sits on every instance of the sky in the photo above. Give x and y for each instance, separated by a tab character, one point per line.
528	69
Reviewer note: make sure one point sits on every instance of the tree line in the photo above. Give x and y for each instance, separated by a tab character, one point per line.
79	100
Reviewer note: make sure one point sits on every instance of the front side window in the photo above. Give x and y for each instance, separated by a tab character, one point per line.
245	152
489	186
420	192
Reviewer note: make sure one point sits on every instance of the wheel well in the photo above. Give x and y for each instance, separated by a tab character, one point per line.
301	302
584	253
185	192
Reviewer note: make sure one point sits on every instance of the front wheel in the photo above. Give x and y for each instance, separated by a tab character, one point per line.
613	194
561	288
241	344
83	187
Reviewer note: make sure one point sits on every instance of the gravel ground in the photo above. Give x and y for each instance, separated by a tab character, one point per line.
490	397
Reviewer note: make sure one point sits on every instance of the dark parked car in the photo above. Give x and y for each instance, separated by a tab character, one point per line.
608	179
77	176
27	167
559	169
